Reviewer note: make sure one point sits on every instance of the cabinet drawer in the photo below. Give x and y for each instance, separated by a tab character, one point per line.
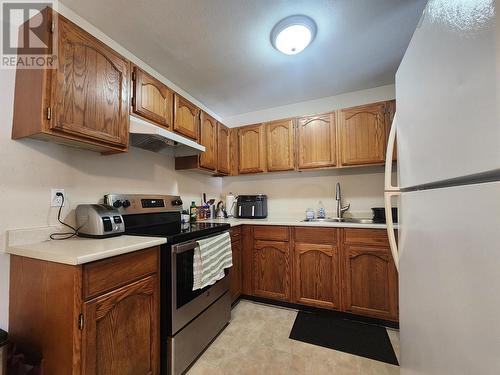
270	233
104	275
366	236
325	236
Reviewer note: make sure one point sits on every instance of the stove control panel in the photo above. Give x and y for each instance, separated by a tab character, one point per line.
143	203
150	203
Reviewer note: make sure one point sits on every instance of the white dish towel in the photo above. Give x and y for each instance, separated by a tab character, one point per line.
211	257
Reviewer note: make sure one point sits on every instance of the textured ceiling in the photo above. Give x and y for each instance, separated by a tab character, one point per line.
219	50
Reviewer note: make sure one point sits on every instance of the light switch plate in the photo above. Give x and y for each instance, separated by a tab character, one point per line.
55	201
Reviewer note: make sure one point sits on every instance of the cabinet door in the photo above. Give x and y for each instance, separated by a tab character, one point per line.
186	117
271	270
370	281
152	99
235	272
121	331
316	141
362	133
251	141
208	138
280	145
223	149
316	275
90	97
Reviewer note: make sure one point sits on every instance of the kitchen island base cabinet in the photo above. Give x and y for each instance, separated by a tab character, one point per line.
112	330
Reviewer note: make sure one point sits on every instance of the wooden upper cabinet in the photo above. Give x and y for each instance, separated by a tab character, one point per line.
208	138
280	145
223	149
151	98
317	280
186	117
362	134
90	92
316	145
271	270
118	321
234	151
83	102
252	151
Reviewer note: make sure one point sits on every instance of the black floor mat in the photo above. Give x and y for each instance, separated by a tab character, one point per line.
345	335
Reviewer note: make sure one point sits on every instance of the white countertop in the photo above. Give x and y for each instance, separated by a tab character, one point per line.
296	222
33	242
79	250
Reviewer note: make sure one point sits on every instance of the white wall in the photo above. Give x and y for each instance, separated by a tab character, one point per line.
316	106
290	193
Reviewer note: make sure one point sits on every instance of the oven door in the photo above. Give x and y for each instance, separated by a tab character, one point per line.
187	304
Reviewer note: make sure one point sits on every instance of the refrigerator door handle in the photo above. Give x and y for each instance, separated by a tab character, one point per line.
391	191
390	226
388	156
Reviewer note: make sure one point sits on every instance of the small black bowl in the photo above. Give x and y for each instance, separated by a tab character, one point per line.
379	214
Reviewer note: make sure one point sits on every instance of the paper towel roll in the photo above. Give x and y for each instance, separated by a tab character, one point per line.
231	204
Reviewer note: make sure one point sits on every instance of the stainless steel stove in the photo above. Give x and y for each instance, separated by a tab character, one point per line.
189	320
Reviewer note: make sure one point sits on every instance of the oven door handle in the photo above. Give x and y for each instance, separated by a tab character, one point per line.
182	248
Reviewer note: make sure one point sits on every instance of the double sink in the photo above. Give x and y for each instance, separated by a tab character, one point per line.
341	220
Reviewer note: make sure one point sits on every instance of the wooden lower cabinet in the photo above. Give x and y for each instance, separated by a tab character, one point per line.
235	273
92	319
316	275
271	269
121	328
335	268
370	281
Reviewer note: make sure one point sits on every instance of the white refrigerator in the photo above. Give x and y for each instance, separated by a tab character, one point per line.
448	140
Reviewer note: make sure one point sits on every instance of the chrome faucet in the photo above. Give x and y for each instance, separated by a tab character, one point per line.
338	198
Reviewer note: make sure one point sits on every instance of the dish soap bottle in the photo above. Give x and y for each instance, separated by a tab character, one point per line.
321	211
192	212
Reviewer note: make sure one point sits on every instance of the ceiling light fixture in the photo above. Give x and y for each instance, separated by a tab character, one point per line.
293	34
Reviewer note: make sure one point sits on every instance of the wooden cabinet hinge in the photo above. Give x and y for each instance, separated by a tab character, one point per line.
49	113
81	322
133	75
52	27
132	101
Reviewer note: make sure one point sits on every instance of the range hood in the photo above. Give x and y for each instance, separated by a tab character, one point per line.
153	138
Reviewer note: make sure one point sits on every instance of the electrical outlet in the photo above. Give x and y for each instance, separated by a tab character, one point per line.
55	200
